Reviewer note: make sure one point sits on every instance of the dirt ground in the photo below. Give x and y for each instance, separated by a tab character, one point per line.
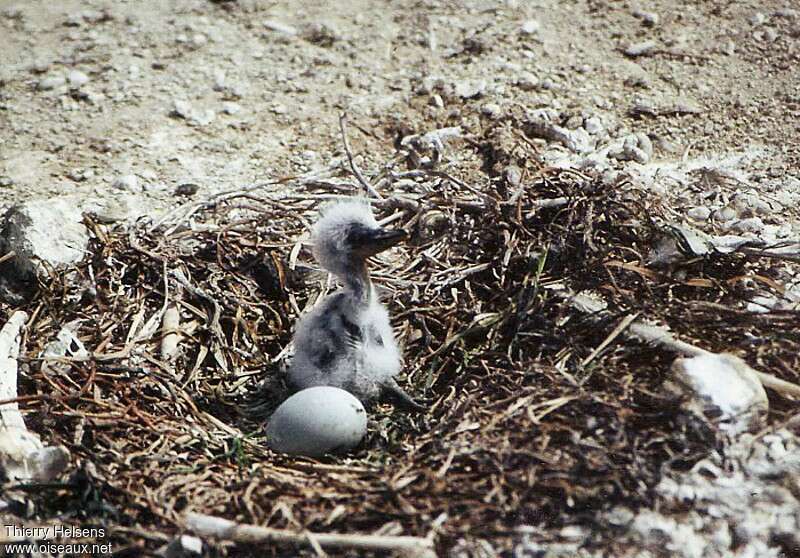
123	107
735	65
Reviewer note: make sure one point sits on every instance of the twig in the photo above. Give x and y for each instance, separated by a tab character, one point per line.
356	171
22	454
170	331
211	526
660	336
623	325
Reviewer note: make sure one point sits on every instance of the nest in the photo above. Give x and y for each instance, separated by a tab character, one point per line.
527	424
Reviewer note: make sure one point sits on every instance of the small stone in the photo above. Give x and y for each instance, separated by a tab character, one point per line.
40	66
6	181
723	389
229	107
751	225
644	48
279	27
186	189
51	82
574	122
593	125
650	19
530	27
77	79
127	182
645	144
724	214
769	35
492	110
788	13
219	80
182	109
527	81
79	175
436	101
758	18
469	89
199	40
321	34
699	213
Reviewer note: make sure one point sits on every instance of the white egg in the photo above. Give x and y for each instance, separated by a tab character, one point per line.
316	421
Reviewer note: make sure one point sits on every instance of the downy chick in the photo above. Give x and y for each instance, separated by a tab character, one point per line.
347	341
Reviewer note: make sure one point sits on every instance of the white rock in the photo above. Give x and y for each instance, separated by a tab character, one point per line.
51	82
199	40
725	383
530	27
593	125
316	421
468	89
699	213
527	81
279	27
229	107
77	79
43	235
127	182
492	110
753	225
52	229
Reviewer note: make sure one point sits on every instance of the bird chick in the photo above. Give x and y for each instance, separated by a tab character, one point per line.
347	341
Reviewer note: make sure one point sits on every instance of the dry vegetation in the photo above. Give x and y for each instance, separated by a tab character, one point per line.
526	423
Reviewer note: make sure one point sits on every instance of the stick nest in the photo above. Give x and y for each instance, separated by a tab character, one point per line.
520	430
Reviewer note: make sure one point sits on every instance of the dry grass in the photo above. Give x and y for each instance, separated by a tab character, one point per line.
518	430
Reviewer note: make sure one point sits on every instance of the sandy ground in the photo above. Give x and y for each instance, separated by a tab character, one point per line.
89	90
117	105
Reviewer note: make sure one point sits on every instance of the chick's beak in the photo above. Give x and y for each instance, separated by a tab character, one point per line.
377	240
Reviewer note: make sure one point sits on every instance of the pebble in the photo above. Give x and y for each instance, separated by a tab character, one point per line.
436	101
530	27
182	109
77	79
769	35
593	125
186	189
650	19
40	66
219	80
751	225
788	13
6	181
758	18
468	89
635	147
527	81
574	122
724	214
127	182
229	107
199	40
51	82
492	110
643	48
645	144
279	27
79	175
699	213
